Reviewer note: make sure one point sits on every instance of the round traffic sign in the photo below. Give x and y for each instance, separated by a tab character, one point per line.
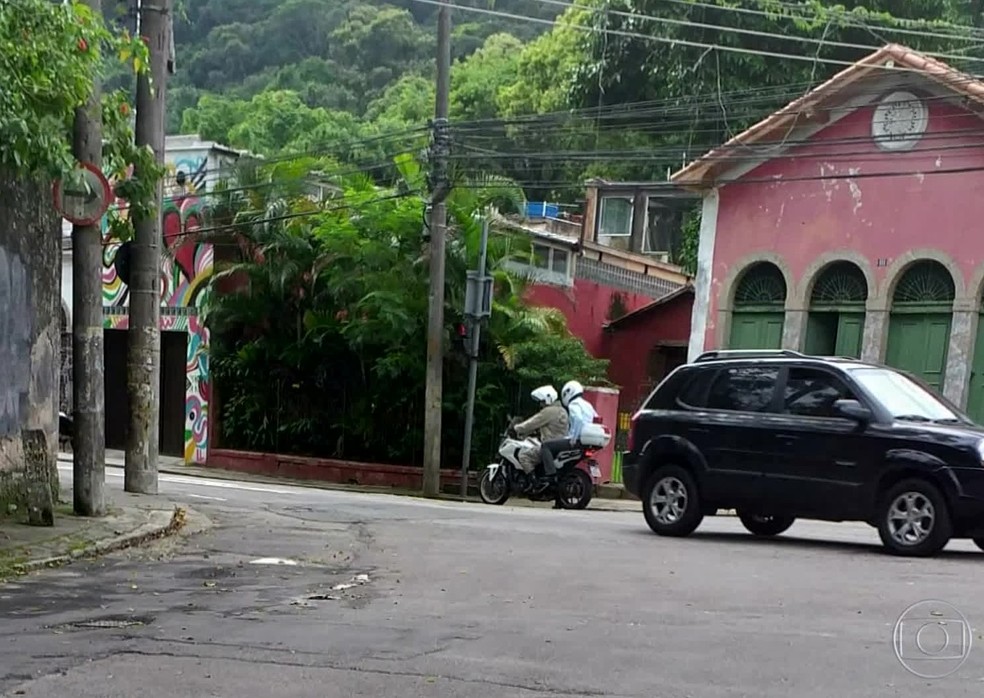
83	196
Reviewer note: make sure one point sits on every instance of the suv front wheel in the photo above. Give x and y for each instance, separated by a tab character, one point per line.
913	519
671	503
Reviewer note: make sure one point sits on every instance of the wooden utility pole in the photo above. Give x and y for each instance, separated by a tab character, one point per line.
88	390
434	393
144	346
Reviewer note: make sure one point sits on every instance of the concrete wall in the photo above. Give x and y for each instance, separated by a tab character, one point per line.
30	332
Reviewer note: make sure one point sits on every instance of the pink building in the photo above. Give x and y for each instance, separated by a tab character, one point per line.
846	223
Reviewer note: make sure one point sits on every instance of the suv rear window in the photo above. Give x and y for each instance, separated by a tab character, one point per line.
694	393
664	397
743	389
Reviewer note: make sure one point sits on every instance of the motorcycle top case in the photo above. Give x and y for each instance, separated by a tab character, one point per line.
595	436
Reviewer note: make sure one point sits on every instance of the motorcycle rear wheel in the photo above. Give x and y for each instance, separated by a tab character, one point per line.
575	489
494	491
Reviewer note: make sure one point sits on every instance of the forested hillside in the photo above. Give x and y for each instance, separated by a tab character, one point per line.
605	91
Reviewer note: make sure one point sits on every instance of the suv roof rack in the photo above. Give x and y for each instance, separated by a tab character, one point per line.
748	354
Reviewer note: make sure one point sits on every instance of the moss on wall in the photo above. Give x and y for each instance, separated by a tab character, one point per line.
13	496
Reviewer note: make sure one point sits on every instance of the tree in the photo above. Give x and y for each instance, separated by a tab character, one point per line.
50	55
323	348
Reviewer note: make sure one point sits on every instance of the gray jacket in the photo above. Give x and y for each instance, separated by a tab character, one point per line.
551	421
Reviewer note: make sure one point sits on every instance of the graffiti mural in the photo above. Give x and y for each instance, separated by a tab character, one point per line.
186	270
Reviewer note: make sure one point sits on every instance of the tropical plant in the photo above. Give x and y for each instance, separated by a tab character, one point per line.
321	351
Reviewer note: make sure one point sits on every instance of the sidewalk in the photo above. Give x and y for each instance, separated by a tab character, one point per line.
132	520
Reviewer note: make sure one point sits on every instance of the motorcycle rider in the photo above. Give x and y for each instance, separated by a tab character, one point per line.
579	412
551	421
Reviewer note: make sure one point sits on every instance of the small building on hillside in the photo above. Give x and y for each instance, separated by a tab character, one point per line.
193	168
595	278
645	218
846	223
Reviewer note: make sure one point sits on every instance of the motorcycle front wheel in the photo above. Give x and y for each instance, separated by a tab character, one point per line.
494	490
575	490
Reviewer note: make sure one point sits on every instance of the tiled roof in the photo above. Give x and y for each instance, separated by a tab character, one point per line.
890	58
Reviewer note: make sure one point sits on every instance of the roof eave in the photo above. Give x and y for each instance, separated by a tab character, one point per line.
701	174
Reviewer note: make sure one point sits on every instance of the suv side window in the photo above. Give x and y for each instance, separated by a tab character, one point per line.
743	389
812	393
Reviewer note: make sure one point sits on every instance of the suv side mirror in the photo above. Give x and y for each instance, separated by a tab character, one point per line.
852	409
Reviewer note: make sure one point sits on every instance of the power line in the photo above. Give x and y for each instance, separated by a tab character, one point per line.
265	221
673	41
759	180
735	30
630	111
755	149
260	161
800	10
285	184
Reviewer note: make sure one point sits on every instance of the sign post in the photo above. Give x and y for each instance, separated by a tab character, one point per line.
83	197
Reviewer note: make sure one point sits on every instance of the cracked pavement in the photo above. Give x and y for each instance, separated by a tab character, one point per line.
440	599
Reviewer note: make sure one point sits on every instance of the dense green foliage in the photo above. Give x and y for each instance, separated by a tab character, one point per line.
323	351
51	53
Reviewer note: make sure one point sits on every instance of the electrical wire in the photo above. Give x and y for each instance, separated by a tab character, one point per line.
775	180
285	184
669	40
239	225
735	30
851	20
260	161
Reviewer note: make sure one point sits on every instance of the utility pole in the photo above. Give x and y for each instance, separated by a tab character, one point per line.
439	186
88	389
478	305
144	345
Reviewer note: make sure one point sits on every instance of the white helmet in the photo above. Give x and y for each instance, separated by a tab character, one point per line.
571	390
545	394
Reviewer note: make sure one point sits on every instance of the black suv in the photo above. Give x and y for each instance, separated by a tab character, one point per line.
778	435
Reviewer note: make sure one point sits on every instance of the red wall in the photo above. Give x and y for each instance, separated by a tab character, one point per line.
878	217
586	307
628	345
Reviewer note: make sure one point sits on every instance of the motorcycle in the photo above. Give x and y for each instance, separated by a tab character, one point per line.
574	486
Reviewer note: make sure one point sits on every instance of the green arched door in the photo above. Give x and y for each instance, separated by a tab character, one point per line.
919	327
759	309
835	325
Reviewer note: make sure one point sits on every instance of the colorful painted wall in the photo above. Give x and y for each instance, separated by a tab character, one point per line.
185	273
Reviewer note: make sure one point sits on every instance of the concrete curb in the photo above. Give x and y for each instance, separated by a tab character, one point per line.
142	535
607	492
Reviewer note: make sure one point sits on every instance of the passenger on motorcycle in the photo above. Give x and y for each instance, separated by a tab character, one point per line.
580	412
551	421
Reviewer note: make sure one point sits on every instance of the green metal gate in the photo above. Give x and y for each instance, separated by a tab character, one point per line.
835	325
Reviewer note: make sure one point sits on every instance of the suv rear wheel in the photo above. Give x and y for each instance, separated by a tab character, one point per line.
671	503
913	519
762	525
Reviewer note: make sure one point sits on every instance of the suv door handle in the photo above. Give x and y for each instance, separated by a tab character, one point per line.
787	437
699	430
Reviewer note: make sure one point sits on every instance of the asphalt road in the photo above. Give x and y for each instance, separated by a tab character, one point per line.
440	599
